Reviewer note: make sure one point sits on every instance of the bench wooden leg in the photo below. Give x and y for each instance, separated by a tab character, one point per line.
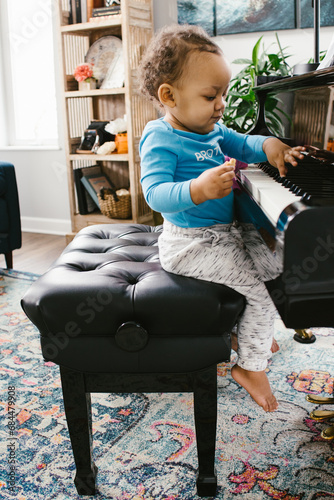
77	405
205	414
78	414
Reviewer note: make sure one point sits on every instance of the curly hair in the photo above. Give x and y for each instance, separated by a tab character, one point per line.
167	54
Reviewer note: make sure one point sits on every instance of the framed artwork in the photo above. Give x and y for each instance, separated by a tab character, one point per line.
225	17
200	12
306	14
254	15
94	183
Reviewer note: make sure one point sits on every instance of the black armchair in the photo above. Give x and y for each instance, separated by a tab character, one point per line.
10	223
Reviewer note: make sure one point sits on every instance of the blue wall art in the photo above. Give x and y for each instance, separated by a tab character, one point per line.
326	13
223	17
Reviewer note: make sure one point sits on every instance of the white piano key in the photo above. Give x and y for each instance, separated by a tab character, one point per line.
270	195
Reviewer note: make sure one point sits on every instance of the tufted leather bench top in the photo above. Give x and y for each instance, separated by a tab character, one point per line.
107	303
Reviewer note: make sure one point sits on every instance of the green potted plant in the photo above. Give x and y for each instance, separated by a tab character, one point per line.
241	110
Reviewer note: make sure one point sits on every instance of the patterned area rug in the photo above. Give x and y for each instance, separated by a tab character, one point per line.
144	444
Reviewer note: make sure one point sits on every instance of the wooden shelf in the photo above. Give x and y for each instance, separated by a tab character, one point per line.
87	28
95	157
98	218
94	93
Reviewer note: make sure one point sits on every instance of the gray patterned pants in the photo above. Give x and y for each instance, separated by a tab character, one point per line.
237	257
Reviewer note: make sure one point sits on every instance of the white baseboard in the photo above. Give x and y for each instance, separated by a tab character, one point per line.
46	226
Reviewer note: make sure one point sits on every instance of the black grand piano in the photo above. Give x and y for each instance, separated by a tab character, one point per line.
295	215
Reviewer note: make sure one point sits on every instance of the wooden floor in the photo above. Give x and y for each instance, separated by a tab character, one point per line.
37	253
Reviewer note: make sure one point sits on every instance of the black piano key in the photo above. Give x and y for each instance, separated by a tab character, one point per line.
311	179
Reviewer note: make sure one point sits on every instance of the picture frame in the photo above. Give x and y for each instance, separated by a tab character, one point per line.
94	183
84	201
89	142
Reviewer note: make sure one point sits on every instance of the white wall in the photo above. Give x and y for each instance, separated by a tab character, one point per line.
298	43
164	12
41	175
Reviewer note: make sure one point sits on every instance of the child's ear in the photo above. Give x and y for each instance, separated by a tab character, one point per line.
166	95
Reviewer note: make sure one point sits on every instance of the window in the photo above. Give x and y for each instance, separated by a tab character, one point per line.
28	73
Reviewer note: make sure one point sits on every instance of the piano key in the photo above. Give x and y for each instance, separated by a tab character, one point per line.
272	197
311	178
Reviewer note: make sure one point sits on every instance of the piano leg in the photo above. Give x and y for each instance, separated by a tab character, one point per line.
304	336
321	415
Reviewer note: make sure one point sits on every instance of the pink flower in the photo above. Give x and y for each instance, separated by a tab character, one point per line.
83	72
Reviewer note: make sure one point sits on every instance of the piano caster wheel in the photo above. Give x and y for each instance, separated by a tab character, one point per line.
320	400
321	415
304	336
328	433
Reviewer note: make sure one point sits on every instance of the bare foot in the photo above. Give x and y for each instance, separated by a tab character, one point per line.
274	346
234	343
257	385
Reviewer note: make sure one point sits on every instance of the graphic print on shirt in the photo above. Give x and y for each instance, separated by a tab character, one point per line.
209	153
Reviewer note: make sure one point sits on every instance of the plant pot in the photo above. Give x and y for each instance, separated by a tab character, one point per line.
85	86
263	79
301	69
121	141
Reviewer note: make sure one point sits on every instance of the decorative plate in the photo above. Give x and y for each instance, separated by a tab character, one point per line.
107	56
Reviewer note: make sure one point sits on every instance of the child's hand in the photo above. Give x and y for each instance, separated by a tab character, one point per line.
213	183
279	153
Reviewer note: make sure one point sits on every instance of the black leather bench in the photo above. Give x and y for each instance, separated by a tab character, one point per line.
115	321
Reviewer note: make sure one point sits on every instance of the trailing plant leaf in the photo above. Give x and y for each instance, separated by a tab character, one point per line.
242	107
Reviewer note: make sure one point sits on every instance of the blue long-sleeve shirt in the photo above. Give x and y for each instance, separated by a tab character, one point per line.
171	158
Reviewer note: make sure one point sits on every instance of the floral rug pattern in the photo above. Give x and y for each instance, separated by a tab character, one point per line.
144	444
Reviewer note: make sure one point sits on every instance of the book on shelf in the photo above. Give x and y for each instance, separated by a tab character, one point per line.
103	18
75	11
93	4
86	205
106	11
78	10
94	183
73	17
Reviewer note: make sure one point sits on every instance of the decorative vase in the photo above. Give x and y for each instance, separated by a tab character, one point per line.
87	85
121	141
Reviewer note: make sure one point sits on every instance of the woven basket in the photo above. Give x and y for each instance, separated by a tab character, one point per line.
115	206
